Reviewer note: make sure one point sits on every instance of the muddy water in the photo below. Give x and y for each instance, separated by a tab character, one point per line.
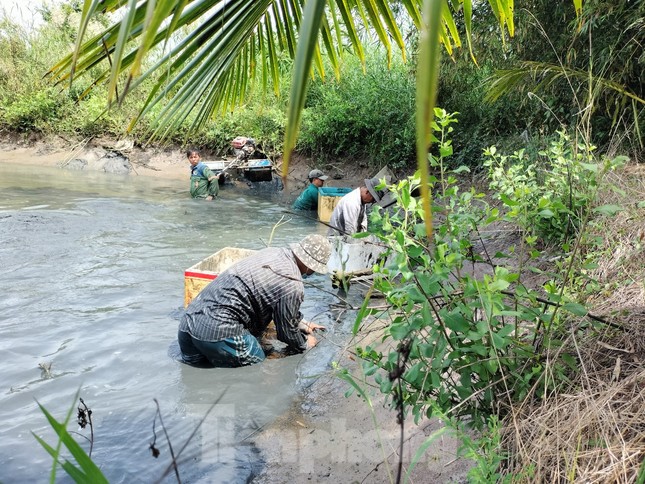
91	282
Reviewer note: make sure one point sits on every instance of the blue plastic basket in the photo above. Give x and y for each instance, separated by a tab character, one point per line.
334	191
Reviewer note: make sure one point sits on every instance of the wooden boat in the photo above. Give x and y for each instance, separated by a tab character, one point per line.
198	276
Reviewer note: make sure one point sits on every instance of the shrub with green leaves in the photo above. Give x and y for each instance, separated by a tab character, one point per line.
366	116
465	342
547	196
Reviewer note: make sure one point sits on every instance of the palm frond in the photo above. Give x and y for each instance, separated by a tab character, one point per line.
308	33
541	75
195	70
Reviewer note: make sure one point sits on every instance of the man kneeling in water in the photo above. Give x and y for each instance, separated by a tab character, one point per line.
223	324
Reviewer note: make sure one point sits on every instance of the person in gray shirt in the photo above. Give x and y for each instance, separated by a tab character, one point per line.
222	325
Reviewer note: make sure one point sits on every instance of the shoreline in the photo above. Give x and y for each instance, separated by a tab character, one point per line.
156	162
150	162
327	435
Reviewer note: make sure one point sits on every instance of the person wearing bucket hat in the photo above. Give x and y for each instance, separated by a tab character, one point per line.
222	326
313	251
382	196
308	199
350	214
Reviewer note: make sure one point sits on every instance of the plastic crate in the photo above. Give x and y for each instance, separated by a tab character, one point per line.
328	198
198	276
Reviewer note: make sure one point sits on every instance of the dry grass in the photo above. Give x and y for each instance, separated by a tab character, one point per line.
595	434
594	431
624	238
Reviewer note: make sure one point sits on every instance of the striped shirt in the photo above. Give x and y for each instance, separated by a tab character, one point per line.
263	287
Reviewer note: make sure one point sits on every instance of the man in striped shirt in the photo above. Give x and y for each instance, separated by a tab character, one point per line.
223	324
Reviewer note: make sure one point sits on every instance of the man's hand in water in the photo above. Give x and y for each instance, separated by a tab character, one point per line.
311	341
309	327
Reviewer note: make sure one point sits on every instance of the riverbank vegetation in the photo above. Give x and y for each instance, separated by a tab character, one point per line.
500	324
521	316
517	95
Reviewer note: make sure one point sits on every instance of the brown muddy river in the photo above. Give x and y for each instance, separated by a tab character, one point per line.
91	277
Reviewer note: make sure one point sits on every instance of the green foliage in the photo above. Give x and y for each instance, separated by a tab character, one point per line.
462	89
31	113
548	195
582	70
485	451
366	116
467	344
84	470
261	120
31	103
563	70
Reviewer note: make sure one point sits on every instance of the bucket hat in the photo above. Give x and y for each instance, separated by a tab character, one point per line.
381	196
317	174
313	251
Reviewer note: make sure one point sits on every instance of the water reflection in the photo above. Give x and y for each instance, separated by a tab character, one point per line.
91	273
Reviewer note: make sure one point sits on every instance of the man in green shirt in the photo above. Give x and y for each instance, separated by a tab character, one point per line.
308	199
203	182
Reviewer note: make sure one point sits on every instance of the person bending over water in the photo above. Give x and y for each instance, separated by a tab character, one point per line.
223	324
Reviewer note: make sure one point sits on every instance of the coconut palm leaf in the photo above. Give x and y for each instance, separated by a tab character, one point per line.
350	28
205	41
308	33
265	27
541	75
468	15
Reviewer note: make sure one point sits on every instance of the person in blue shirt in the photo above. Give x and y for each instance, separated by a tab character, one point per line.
308	199
203	182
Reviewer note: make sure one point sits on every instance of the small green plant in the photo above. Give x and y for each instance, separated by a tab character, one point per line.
464	341
83	470
548	196
486	451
